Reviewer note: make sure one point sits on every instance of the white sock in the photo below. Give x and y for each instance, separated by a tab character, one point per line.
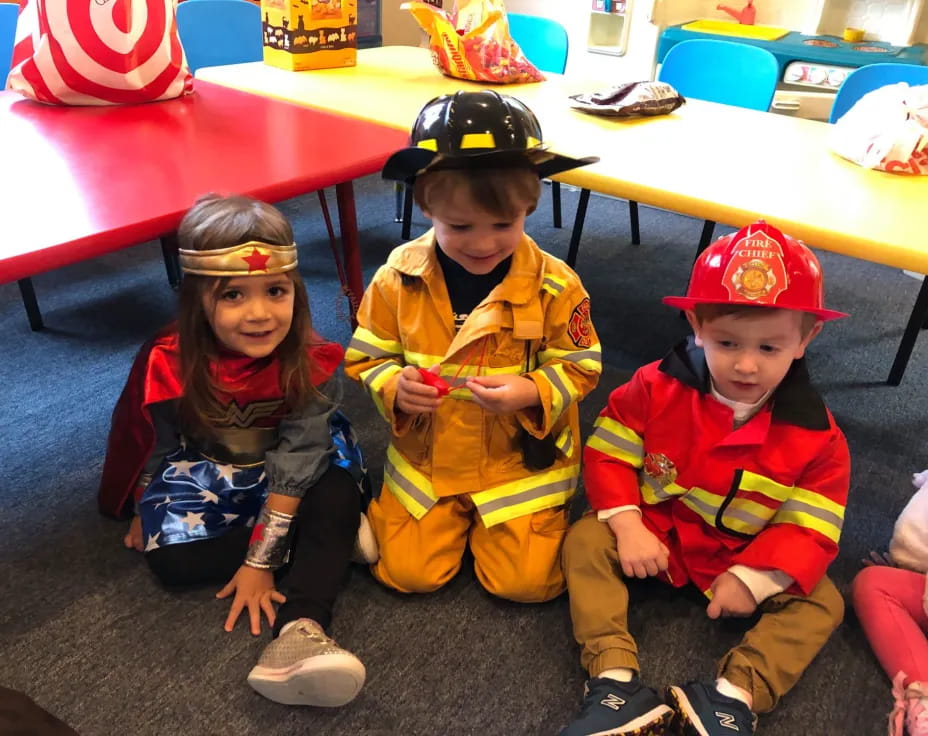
622	674
733	691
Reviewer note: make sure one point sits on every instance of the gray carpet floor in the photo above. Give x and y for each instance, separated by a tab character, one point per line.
86	631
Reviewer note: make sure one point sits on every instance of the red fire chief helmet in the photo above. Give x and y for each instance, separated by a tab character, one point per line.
759	266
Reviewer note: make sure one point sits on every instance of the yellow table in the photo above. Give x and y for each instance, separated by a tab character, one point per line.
707	160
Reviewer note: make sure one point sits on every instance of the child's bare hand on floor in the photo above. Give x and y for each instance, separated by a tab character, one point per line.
255	590
641	553
730	597
504	394
413	395
133	538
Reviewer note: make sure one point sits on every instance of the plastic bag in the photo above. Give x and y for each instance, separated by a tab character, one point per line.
473	42
634	99
98	52
886	129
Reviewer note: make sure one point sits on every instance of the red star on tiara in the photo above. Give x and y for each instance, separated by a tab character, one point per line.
257	261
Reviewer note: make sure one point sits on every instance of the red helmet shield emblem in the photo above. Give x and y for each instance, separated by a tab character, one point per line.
756	271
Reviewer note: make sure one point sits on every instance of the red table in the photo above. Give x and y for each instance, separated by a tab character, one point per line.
79	182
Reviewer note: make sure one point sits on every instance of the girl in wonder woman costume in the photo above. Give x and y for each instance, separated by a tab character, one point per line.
241	470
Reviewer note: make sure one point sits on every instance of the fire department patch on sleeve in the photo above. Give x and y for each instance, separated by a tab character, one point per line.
580	328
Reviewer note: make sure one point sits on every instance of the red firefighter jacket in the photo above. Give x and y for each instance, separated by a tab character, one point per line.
769	494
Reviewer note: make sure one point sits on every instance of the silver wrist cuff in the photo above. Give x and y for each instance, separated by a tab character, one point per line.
270	540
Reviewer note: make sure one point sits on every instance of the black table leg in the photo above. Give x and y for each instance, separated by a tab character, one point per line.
578	227
916	320
169	246
31	304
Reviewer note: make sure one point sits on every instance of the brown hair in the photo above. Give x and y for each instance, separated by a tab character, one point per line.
709	312
220	222
505	193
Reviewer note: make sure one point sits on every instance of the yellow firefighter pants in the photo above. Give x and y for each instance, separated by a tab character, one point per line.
518	559
767	662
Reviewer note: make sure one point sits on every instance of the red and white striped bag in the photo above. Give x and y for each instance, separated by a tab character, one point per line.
98	52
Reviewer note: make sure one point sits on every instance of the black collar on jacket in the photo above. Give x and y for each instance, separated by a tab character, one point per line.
794	400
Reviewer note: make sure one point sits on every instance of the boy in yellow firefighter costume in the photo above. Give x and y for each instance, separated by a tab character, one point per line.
507	327
718	466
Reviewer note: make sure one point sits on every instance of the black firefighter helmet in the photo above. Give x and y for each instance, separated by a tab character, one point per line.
481	129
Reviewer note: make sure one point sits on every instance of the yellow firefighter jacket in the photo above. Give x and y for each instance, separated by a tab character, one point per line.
536	322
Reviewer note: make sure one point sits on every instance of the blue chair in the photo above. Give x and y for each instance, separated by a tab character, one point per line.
9	12
722	71
870	77
705	69
544	43
219	32
856	85
542	40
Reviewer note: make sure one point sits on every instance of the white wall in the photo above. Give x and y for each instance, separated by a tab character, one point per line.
398	27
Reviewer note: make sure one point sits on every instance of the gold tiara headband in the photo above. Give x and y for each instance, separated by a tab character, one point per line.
247	259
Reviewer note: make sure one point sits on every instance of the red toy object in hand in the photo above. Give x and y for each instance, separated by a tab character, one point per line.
430	379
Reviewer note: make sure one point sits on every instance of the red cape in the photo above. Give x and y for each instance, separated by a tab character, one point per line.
155	377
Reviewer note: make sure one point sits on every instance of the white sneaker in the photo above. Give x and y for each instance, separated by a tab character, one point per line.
366	551
304	666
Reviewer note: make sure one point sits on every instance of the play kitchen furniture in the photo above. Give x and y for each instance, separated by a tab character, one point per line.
813	65
710	161
84	181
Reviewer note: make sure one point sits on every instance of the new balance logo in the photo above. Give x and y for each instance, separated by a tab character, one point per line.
727	720
612	701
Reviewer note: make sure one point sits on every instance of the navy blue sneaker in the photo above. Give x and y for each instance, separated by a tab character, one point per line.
704	711
613	708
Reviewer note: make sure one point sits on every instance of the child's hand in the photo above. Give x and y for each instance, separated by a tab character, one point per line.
641	553
133	538
730	597
253	588
879	558
504	394
413	396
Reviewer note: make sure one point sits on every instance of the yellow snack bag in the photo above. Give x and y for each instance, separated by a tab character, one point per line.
473	42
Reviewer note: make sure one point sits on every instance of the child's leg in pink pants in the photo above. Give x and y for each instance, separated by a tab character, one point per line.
888	602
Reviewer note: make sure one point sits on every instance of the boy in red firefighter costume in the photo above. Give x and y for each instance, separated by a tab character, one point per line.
718	466
493	463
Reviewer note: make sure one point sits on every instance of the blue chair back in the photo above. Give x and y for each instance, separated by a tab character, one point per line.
542	40
871	77
722	71
218	32
8	15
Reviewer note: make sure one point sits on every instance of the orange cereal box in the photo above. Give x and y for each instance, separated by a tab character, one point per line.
310	34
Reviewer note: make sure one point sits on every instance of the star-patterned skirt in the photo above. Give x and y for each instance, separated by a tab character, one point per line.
192	497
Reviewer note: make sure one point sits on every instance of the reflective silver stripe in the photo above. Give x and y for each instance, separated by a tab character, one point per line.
372	350
370	377
746	516
706	508
390	469
549	282
529	495
556	381
659	491
631	448
818	513
582	355
565	442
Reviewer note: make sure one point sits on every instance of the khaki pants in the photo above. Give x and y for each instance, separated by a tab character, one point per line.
767	662
518	559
